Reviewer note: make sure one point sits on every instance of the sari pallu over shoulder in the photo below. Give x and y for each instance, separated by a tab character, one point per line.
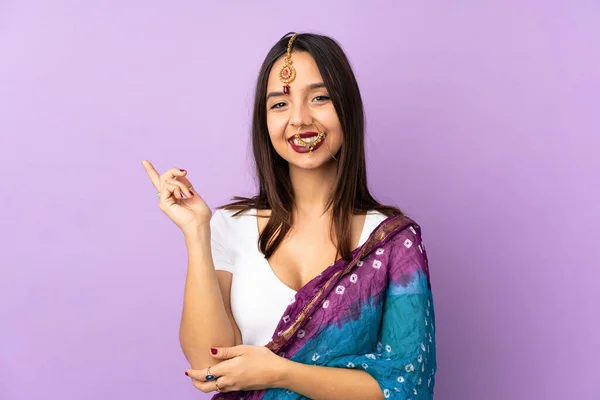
373	313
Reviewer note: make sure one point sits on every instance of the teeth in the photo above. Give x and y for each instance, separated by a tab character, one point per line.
307	140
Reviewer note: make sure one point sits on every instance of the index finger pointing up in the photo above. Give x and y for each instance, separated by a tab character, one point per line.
154	176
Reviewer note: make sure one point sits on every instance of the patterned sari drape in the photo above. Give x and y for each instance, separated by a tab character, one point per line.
374	313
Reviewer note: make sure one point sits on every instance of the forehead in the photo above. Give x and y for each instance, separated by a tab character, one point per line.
306	68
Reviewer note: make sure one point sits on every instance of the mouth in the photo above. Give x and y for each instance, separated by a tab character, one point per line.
309	139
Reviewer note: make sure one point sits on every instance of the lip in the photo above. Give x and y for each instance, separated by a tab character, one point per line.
302	149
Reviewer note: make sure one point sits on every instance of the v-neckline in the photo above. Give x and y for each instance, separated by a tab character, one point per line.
267	264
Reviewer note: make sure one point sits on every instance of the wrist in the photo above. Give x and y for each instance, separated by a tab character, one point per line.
197	234
281	372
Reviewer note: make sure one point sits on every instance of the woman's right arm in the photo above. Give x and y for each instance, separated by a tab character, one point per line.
206	319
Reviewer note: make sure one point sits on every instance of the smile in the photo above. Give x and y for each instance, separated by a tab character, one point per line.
307	142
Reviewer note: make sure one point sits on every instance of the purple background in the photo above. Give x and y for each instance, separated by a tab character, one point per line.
483	124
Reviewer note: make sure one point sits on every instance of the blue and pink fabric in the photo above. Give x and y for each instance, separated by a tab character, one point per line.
374	313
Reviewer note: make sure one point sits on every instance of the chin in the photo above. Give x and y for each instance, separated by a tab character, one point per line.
315	161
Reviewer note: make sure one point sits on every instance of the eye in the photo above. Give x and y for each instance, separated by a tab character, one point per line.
277	105
321	98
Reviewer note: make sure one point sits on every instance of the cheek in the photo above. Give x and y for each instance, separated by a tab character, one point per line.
335	129
330	119
275	129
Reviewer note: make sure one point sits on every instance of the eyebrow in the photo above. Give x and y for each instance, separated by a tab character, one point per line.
312	86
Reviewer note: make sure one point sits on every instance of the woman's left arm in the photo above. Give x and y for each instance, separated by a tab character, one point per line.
256	368
327	383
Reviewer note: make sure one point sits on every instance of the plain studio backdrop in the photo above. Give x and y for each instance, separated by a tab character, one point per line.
483	124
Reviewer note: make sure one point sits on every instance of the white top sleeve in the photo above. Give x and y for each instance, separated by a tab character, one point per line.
218	242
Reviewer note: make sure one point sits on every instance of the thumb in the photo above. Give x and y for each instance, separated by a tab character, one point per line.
225	353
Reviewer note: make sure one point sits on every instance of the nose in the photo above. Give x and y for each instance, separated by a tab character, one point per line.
300	115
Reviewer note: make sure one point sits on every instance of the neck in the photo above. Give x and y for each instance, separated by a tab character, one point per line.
313	188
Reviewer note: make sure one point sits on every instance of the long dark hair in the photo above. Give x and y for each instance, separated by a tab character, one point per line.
351	195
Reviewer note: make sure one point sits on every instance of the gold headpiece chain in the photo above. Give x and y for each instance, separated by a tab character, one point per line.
288	73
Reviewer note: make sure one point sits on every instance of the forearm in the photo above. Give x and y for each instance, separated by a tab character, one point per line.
204	321
327	383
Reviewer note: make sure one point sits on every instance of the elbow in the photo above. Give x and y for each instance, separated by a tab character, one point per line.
197	357
197	352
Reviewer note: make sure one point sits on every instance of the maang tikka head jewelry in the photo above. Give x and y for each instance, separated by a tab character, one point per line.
288	73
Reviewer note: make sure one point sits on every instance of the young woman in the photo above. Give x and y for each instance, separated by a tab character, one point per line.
310	289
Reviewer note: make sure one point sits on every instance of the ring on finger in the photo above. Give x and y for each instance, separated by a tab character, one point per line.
209	376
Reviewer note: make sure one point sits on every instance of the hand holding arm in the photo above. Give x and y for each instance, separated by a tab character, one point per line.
257	368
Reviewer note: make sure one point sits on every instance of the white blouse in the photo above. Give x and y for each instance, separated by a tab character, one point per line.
258	297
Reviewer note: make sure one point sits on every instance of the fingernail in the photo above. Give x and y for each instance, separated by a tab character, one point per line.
182	170
192	193
186	374
214	351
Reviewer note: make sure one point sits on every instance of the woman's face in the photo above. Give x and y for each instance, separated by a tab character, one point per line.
307	103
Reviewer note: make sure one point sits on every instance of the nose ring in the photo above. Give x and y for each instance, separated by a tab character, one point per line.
310	145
